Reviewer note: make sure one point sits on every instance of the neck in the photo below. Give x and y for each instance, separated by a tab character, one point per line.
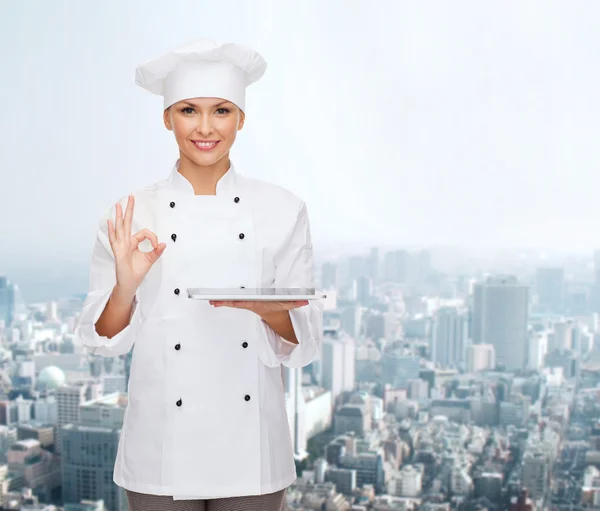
203	178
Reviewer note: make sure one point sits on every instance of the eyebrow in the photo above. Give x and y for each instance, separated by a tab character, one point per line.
214	106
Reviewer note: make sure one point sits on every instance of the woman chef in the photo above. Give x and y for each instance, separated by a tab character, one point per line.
206	415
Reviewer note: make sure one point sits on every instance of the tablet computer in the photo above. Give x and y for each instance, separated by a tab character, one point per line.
255	293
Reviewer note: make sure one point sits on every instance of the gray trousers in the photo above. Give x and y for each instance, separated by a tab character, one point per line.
267	502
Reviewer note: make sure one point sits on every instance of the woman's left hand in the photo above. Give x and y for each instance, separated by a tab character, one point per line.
260	307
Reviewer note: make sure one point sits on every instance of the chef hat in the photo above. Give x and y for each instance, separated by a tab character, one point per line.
202	68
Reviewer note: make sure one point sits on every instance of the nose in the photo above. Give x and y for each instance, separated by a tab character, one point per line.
204	125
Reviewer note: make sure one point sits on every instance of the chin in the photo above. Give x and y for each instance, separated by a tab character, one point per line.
206	159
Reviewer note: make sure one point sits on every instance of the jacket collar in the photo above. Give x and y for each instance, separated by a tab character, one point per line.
225	185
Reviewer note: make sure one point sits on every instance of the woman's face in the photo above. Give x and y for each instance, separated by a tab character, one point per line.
205	128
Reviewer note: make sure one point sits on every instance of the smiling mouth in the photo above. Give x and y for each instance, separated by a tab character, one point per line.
205	145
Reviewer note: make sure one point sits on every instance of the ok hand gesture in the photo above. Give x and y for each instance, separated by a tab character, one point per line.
131	263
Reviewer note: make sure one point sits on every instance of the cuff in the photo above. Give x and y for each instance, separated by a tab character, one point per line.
274	350
85	330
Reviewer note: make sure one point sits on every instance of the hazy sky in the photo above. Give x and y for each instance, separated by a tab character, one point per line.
413	123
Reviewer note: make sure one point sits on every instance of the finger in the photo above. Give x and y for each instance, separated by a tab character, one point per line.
148	234
156	253
119	222
299	303
153	238
111	232
137	238
128	217
230	303
143	234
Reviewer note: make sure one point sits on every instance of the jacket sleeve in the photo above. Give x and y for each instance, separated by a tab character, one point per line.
294	267
102	280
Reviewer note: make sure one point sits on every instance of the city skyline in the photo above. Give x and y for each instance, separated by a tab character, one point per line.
413	393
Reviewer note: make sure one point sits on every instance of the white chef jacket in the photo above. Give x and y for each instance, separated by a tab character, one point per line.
206	411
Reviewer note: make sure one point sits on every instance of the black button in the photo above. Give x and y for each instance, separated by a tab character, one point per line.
176	291
244	344
242	287
172	204
241	235
178	346
173	237
178	403
247	398
237	199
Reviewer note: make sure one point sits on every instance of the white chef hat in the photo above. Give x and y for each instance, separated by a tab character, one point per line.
202	68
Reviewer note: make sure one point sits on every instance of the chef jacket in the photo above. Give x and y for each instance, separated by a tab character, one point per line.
206	413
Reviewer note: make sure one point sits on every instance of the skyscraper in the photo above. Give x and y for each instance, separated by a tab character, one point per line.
329	276
89	449
396	266
536	473
449	337
338	363
561	336
364	290
69	399
373	264
500	317
480	357
12	305
550	287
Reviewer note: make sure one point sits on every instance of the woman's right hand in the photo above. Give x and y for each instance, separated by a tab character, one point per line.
131	263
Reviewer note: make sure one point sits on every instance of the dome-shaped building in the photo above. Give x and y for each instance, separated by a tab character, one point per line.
50	377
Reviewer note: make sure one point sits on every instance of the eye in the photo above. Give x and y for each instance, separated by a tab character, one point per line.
223	110
187	110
